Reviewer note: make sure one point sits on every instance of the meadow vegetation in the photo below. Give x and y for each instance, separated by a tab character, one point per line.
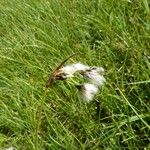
36	35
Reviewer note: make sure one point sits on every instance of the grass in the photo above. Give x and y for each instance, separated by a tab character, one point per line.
36	36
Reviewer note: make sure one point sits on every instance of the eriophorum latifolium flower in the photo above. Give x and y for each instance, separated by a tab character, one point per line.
87	91
69	70
95	76
95	80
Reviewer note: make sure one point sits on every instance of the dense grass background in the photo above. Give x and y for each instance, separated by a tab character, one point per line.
35	36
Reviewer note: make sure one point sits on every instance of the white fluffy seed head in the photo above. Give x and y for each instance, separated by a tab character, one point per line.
69	70
88	92
100	70
95	78
96	70
80	67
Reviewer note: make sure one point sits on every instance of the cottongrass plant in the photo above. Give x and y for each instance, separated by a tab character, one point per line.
87	91
69	70
93	75
95	79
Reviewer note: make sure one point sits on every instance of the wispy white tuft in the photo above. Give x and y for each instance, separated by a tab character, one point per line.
94	76
69	70
80	67
99	70
88	91
95	79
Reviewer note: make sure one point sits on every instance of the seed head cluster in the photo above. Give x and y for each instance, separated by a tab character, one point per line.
94	79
